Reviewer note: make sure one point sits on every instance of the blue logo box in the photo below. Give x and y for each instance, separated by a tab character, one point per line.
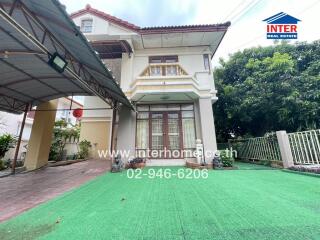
282	35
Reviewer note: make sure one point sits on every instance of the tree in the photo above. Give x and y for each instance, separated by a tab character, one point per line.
268	89
7	141
62	133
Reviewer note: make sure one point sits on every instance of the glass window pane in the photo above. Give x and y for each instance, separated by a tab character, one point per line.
171	59
155	59
173	115
189	138
187	114
206	61
173	107
157	116
143	115
158	107
143	108
142	134
157	131
86	25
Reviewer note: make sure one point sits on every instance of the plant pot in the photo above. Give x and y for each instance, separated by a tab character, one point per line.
198	166
135	165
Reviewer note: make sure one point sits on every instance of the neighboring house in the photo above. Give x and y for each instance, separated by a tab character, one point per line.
166	72
11	123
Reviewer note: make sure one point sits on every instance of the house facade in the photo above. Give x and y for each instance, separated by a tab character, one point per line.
166	73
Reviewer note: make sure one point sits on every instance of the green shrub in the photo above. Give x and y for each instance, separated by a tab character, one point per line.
62	134
2	165
84	146
6	142
54	153
226	158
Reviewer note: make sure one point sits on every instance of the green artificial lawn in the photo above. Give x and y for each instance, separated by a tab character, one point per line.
230	204
250	166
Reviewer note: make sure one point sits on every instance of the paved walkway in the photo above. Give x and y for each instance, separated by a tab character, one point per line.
24	191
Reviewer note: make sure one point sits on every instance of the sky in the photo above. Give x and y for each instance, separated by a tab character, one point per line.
247	28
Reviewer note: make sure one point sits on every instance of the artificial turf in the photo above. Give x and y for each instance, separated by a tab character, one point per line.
232	204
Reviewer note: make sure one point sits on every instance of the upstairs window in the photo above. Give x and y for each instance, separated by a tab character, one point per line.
206	61
86	25
163	59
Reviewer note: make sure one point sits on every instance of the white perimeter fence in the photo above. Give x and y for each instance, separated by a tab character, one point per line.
299	148
305	147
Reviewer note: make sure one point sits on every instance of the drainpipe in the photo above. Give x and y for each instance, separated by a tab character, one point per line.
14	163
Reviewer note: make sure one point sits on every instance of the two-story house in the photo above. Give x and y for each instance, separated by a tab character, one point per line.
166	72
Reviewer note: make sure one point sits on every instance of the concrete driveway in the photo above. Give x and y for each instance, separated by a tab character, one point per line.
24	191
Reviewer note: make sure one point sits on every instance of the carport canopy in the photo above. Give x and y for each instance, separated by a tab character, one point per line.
31	33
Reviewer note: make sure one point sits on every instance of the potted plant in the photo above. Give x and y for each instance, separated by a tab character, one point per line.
227	160
136	163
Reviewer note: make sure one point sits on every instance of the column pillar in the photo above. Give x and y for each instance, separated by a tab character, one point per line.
285	149
207	126
41	136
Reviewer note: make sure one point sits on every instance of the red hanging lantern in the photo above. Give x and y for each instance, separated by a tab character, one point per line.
77	113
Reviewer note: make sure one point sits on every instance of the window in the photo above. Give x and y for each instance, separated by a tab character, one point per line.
86	26
206	61
163	59
161	126
142	137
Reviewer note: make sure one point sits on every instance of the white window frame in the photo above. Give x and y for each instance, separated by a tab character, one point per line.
206	62
82	27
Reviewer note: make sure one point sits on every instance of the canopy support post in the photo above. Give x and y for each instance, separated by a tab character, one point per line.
114	116
14	163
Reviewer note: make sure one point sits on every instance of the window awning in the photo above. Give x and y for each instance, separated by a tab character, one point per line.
32	31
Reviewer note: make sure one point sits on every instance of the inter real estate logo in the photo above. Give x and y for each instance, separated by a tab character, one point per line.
282	26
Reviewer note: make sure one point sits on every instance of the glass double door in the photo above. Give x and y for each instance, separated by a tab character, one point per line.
165	133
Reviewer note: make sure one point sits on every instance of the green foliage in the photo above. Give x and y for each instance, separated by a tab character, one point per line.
7	141
267	89
61	135
84	149
2	165
61	123
226	158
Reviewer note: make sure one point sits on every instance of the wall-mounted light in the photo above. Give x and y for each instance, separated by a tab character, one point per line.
57	62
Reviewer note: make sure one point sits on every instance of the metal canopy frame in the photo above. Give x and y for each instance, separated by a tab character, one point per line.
39	35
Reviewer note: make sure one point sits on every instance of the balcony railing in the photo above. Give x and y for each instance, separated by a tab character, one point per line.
164	69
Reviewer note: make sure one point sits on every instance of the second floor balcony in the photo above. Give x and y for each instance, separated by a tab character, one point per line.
168	82
163	69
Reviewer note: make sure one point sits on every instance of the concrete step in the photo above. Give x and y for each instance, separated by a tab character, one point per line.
165	162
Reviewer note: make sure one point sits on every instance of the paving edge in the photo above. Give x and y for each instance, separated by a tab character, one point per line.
302	173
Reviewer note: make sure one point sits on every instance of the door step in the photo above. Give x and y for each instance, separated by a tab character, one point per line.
165	162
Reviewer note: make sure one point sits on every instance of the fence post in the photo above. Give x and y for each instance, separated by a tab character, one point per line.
285	149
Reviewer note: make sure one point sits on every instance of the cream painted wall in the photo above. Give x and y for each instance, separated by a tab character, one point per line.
95	102
98	133
96	125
